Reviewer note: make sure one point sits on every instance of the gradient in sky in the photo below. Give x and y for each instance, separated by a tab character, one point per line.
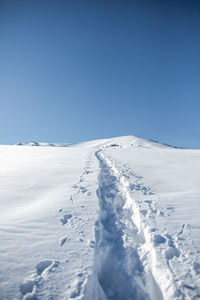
79	70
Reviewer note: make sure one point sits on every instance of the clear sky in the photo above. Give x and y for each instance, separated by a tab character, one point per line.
79	70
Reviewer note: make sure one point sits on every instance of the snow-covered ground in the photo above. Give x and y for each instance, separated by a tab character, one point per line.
107	219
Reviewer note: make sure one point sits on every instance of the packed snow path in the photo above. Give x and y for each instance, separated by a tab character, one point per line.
109	219
131	247
119	269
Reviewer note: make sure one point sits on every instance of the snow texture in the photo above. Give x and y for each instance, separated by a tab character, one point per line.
108	219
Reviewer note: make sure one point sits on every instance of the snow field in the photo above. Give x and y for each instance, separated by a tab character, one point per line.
110	219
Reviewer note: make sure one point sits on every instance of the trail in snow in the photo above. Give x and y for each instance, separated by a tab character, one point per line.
132	256
116	275
55	246
117	265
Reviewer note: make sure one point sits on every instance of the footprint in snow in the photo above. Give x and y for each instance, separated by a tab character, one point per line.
75	186
143	212
172	252
148	201
77	284
91	243
160	213
196	266
170	210
83	189
63	241
65	218
45	265
158	239
86	171
27	287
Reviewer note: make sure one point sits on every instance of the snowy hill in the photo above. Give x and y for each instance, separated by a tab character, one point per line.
107	219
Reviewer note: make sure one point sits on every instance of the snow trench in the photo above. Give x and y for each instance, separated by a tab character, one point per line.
118	272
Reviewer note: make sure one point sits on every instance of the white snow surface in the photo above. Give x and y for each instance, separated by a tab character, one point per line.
107	219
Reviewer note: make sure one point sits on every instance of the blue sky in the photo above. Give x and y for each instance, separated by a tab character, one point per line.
79	70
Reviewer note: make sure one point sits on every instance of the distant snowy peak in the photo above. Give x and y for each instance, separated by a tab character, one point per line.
33	143
123	142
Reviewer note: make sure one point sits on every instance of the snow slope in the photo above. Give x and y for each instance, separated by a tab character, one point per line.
107	219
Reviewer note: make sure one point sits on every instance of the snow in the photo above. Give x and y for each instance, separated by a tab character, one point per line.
106	219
